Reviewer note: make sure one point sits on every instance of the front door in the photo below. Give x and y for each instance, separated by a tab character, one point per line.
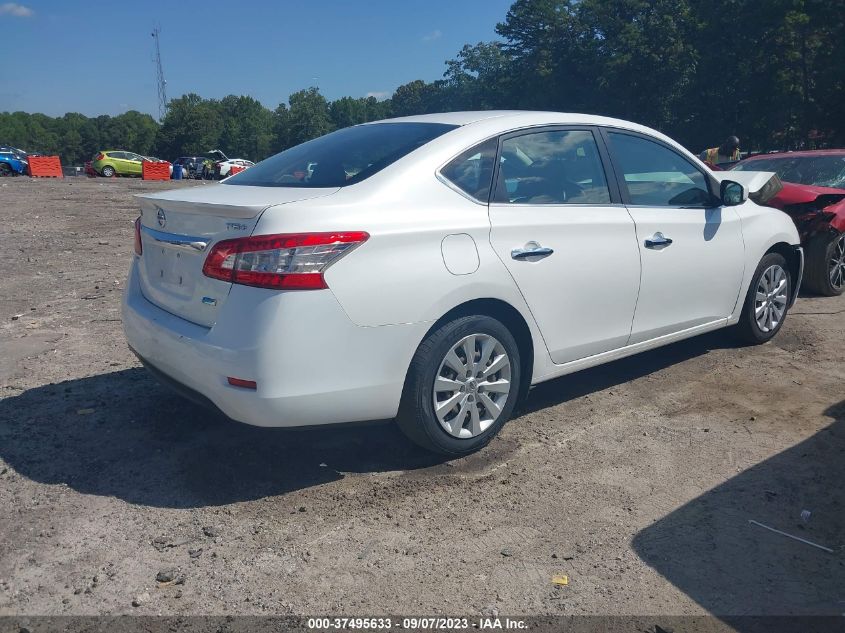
568	243
691	248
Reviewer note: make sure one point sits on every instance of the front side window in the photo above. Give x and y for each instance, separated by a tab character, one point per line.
341	158
657	176
472	171
555	167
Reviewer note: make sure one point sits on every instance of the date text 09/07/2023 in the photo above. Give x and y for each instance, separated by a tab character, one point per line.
416	623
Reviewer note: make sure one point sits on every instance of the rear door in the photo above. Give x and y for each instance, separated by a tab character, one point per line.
691	248
558	225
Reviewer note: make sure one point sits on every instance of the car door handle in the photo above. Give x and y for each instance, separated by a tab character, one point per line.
525	253
658	240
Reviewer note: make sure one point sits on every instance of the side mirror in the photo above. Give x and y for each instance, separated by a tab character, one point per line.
731	193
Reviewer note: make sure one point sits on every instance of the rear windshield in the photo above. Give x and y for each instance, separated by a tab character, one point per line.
822	171
341	158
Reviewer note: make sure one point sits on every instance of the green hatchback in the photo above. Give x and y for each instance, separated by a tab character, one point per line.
113	161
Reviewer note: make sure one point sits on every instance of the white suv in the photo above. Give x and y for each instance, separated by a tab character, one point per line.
432	268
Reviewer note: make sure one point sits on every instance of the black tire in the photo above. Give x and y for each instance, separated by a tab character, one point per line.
417	418
823	250
748	330
108	171
5	170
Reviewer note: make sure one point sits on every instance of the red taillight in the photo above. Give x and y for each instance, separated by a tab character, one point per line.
240	382
139	249
283	262
100	156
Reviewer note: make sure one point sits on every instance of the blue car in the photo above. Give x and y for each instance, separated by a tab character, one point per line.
12	162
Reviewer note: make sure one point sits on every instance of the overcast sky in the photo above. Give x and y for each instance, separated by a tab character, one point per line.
97	57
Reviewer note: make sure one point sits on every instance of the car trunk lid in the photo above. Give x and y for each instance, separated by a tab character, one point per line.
178	229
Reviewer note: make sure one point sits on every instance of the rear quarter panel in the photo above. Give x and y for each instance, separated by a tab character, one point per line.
398	276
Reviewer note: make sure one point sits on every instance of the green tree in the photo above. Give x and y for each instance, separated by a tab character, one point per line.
479	78
281	128
247	127
308	116
192	125
644	58
348	111
419	97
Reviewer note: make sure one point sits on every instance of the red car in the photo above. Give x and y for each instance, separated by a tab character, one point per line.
813	195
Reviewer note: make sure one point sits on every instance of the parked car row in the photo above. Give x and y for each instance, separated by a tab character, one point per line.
213	166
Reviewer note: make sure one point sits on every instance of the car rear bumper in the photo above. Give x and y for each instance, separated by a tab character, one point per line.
312	365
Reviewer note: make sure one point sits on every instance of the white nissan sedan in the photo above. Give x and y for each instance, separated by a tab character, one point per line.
432	268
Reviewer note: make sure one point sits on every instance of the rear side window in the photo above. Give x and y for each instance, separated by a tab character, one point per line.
657	176
341	158
554	167
472	171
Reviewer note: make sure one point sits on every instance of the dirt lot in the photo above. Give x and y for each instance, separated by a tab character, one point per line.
637	480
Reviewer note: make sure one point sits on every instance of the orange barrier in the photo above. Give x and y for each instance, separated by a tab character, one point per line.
155	171
235	169
45	167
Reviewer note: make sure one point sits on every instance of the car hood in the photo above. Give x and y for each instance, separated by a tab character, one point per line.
793	193
807	202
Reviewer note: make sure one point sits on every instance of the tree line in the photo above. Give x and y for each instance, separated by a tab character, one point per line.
770	71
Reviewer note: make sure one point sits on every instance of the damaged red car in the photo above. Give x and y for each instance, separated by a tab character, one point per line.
813	195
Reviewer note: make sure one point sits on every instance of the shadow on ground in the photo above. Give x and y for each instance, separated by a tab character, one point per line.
731	567
602	377
121	434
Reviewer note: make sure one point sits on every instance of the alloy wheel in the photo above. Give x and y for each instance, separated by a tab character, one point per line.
472	385
771	299
837	263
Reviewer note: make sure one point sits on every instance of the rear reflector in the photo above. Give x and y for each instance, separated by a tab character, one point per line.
284	262
240	382
139	249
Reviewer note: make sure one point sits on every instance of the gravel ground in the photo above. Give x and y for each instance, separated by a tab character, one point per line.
636	480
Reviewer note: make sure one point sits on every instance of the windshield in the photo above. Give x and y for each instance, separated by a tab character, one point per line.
341	158
821	171
15	152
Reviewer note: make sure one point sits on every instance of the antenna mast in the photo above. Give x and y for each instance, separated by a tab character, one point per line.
161	82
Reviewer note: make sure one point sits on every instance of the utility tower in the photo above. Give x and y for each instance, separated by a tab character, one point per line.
161	82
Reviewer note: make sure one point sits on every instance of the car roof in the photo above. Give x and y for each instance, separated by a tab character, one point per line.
490	122
517	118
451	118
801	154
